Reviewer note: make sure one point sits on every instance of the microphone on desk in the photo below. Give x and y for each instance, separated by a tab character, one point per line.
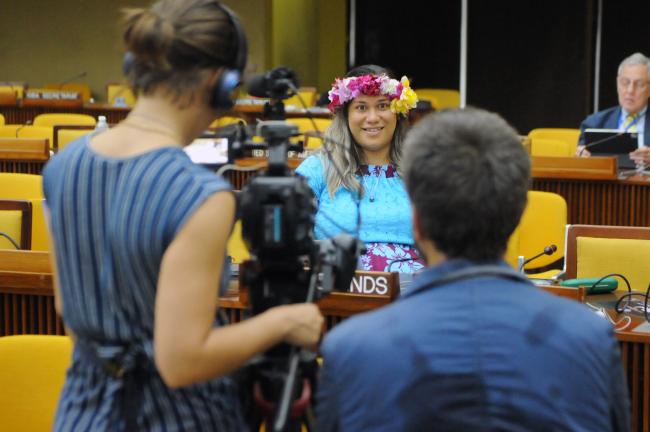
601	141
18	129
548	250
72	78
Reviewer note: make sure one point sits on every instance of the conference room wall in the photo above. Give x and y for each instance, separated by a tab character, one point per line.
533	62
49	41
309	36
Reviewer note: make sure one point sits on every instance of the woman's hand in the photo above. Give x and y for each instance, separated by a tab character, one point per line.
582	152
303	324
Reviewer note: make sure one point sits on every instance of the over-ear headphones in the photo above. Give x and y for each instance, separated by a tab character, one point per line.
221	97
230	79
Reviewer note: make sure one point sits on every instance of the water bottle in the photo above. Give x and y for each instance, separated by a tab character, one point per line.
101	126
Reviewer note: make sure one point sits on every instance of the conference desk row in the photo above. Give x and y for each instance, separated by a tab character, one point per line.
27	307
21	113
595	192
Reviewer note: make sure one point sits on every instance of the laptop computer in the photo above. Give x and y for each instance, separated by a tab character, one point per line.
612	142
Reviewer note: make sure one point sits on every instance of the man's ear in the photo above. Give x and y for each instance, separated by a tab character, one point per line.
417	225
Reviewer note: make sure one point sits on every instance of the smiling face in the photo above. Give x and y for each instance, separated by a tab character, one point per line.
372	125
633	87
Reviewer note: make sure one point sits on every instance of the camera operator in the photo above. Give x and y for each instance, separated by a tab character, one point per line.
139	237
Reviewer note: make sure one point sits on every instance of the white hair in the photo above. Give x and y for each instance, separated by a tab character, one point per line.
635	59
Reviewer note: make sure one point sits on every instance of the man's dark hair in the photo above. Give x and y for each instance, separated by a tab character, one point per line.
467	174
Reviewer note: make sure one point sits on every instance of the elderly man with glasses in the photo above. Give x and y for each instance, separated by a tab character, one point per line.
633	88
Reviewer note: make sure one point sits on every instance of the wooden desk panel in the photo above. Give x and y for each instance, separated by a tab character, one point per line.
597	202
20	114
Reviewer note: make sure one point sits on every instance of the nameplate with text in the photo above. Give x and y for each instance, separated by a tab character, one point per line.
49	97
375	283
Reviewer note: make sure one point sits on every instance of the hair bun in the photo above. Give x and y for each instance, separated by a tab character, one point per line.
148	36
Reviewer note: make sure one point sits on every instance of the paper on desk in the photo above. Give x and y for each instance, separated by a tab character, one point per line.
208	150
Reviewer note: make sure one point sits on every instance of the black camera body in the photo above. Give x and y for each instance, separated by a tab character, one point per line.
287	264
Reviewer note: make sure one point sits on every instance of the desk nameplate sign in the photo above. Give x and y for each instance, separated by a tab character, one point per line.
377	283
47	97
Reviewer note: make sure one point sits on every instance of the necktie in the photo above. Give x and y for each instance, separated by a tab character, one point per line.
630	123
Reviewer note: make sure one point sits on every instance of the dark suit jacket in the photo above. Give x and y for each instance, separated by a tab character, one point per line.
477	355
608	119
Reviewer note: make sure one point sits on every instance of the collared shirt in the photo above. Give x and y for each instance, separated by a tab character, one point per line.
639	123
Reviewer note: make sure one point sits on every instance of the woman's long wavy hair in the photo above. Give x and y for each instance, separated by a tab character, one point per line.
341	150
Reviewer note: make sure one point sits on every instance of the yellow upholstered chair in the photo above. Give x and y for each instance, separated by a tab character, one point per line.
32	373
554	141
440	98
15	224
550	147
236	247
81	88
308	95
16	91
225	121
542	224
594	251
310	128
120	95
27	131
2	120
28	187
63	135
68	119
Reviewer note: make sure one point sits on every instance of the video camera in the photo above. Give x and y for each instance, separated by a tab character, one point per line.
287	265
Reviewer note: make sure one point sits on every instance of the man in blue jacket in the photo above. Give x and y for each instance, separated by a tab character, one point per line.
472	345
633	88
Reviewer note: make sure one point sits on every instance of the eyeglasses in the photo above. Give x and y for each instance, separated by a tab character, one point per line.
636	85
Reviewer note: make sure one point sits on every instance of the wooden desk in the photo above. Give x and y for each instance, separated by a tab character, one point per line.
27	307
594	196
24	155
16	113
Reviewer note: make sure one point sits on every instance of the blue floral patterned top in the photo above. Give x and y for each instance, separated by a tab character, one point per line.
385	215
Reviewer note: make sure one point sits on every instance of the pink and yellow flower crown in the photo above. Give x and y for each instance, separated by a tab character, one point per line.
402	97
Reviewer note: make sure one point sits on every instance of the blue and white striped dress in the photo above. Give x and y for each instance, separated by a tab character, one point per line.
112	220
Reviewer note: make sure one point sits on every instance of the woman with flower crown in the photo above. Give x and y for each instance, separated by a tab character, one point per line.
356	174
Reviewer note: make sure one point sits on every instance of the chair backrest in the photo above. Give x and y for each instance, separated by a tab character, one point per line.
28	187
32	373
225	121
543	223
568	136
15	224
27	131
307	128
550	147
66	134
308	95
21	186
68	119
440	98
10	94
597	250
118	94
236	247
2	120
81	88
